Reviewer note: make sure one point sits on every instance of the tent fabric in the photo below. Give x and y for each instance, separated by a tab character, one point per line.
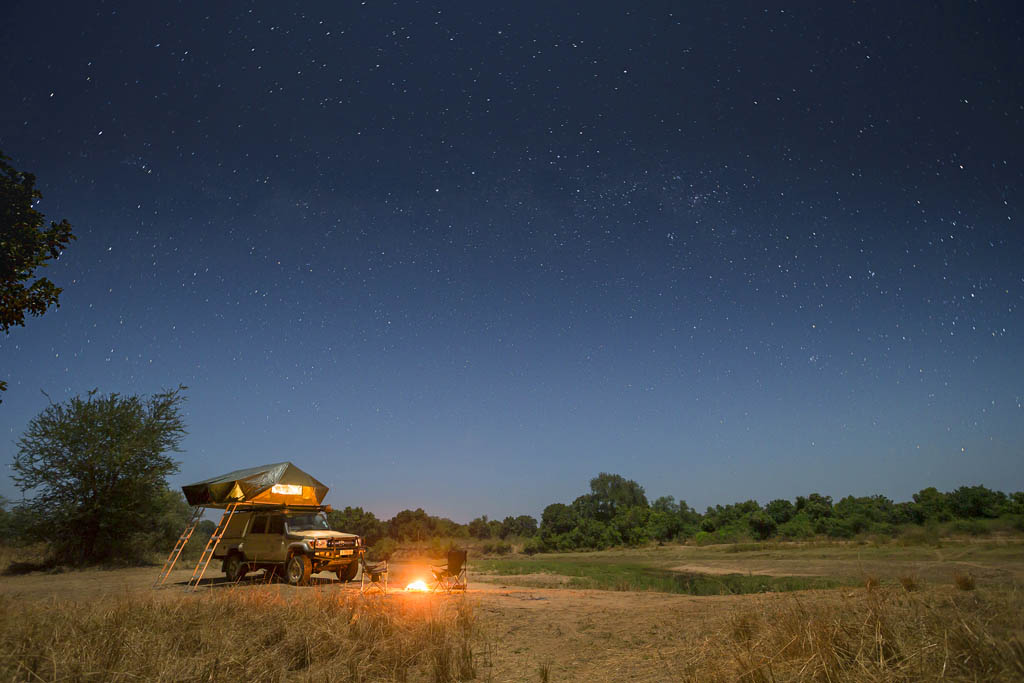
254	485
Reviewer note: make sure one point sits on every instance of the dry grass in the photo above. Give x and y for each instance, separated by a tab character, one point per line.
910	582
21	560
964	581
235	635
881	634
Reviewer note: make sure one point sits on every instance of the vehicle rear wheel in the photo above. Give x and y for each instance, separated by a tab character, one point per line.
348	573
234	568
299	569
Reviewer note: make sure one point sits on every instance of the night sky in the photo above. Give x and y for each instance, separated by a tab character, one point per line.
465	256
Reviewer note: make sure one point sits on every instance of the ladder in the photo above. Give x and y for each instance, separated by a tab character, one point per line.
190	526
211	545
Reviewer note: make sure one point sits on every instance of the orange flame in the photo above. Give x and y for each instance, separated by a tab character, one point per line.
417	585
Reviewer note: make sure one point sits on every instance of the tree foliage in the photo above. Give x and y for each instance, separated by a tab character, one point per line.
25	245
355	520
523	526
96	469
612	492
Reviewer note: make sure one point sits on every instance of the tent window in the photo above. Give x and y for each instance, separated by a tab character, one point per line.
259	525
276	525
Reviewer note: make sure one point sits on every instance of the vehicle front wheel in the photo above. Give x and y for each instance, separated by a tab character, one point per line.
299	569
348	573
234	568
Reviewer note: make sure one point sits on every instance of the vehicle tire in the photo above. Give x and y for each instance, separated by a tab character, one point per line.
298	570
348	573
234	568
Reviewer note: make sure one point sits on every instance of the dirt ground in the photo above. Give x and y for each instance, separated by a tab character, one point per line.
577	635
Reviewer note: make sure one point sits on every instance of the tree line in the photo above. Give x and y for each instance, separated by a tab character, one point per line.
616	512
96	470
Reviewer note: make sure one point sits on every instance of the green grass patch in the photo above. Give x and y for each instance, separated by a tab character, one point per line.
625	576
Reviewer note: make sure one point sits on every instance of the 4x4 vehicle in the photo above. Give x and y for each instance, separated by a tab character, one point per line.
295	542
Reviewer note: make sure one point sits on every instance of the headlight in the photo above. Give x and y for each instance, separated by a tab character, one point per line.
320	543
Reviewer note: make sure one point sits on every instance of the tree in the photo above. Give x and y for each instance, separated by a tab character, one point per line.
357	521
556	520
412	525
97	468
24	246
933	505
524	526
976	501
612	492
5	522
762	524
479	528
781	510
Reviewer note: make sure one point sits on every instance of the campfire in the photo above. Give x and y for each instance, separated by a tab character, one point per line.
417	586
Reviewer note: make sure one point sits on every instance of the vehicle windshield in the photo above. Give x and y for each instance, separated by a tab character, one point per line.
307	522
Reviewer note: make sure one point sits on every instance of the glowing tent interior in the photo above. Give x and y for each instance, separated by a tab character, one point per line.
280	483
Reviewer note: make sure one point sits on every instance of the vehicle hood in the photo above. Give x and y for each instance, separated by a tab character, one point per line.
322	533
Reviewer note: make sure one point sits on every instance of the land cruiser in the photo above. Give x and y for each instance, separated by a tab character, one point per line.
290	541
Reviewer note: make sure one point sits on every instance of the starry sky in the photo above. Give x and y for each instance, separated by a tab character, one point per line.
465	256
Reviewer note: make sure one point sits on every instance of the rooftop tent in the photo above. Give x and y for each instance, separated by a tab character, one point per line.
276	484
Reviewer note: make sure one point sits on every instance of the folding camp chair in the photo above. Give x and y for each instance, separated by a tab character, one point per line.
453	575
374	575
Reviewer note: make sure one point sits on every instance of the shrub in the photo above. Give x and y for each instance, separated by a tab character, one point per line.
969	527
499	548
383	549
533	546
762	525
799	527
703	538
916	535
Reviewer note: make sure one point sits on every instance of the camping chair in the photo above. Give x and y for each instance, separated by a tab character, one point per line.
453	575
374	575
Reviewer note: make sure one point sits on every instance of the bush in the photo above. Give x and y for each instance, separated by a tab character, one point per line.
499	548
799	527
835	528
703	538
969	527
533	546
383	549
917	535
762	525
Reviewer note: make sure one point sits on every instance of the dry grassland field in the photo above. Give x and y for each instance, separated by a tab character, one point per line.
818	612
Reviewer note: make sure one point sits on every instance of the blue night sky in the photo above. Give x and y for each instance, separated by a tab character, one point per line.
466	256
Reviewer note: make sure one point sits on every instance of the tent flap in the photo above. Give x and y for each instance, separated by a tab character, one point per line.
278	483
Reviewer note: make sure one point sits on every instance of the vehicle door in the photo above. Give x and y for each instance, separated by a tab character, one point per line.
256	539
276	544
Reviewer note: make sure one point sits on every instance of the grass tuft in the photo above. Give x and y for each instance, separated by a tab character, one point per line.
964	581
910	582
